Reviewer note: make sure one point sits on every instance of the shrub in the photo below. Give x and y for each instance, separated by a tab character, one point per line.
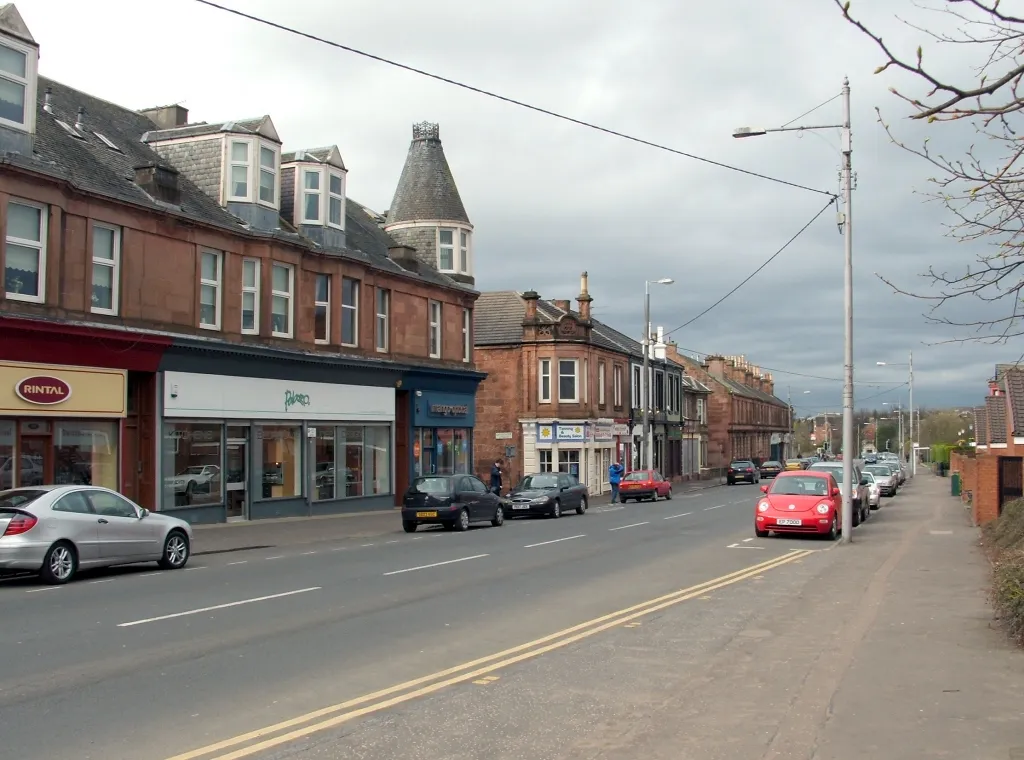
1004	539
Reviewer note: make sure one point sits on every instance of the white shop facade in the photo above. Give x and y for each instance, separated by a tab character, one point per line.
241	448
584	448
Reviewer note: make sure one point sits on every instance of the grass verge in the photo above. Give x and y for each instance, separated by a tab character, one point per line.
1004	539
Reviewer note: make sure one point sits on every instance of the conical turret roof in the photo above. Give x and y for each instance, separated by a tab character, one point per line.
426	190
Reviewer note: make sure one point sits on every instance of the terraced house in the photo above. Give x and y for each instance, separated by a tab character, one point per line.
225	333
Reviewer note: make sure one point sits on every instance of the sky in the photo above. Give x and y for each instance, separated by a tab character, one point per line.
550	199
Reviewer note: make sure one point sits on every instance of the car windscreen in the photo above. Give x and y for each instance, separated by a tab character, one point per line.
877	469
15	499
739	465
799	485
541	482
638	475
771	464
837	472
430	485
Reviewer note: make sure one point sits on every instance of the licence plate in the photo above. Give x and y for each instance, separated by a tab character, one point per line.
426	514
789	521
520	506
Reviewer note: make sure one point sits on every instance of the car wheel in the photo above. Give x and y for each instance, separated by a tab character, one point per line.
176	551
833	531
856	515
760	533
556	510
668	493
499	517
409	526
582	508
59	564
462	522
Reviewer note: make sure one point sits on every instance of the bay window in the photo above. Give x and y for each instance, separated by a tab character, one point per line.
238	177
17	86
268	176
336	201
446	250
463	251
311	196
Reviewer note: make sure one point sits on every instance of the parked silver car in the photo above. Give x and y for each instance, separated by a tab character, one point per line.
885	476
57	530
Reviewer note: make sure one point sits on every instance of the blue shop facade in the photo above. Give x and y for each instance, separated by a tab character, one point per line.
435	414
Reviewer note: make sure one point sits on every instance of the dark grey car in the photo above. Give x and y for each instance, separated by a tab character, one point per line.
453	501
548	493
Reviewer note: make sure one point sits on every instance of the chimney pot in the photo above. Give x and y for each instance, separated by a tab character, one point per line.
48	100
531	297
563	305
583	299
167	117
80	119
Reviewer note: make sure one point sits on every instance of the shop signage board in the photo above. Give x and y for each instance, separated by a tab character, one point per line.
62	391
573	433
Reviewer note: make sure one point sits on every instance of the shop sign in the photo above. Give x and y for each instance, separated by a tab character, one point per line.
503	436
449	410
571	432
292	398
620	430
604	431
43	390
545	433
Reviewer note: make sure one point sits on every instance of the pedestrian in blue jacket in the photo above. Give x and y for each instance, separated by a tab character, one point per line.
614	478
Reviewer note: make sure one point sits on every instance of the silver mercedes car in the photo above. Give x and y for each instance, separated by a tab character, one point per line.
58	530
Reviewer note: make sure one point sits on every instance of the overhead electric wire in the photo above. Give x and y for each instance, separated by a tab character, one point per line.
882	393
788	372
749	277
808	113
506	99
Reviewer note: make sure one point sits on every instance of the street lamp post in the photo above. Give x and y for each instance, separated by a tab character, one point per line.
647	456
846	222
913	452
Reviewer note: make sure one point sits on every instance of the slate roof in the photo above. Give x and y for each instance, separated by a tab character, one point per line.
1002	369
980	426
1013	384
314	155
238	127
426	190
93	167
739	389
995	406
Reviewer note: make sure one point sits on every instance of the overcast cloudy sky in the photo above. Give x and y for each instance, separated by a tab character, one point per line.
550	199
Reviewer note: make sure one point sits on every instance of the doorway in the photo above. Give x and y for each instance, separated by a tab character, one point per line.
236	467
1011	480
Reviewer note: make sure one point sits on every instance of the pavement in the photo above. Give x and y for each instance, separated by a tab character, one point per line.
661	630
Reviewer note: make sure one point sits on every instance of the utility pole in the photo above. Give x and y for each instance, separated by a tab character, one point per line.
913	450
786	444
645	446
848	484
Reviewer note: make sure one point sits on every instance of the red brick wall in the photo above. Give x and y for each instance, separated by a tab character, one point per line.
497	411
986	490
159	279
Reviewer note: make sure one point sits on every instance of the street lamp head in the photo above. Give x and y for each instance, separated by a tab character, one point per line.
880	364
806	391
664	281
748	132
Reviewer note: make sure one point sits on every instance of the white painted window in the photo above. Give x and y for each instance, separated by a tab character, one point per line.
106	268
336	201
585	381
25	252
322	309
637	387
312	196
569	460
250	296
17	85
600	383
349	312
568	380
463	251
702	410
544	456
268	176
544	381
211	265
435	329
446	250
238	178
383	319
617	386
467	334
282	288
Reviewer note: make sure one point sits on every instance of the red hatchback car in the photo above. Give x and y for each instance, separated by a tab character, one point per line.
644	484
807	501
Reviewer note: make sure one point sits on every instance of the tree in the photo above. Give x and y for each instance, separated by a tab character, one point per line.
985	196
945	427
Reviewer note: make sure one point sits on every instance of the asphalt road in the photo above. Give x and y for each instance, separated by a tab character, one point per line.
146	665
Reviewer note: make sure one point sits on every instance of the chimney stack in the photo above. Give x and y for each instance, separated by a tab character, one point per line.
716	365
160	181
404	255
48	100
583	299
565	305
531	297
167	117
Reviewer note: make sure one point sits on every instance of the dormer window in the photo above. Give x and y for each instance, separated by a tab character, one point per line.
252	175
239	178
336	202
268	175
453	254
17	85
321	198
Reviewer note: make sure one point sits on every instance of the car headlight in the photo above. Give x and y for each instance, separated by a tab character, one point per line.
540	500
823	509
763	506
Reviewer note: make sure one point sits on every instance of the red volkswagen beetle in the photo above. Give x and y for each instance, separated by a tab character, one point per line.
806	501
644	484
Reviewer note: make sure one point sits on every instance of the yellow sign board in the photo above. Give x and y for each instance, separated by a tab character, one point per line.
52	390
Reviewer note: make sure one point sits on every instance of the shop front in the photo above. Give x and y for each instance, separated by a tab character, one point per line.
442	433
236	448
61	424
581	448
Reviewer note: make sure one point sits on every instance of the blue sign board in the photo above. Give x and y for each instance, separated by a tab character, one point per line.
444	410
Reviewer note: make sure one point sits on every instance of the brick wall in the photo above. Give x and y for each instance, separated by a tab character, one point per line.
158	280
986	490
498	399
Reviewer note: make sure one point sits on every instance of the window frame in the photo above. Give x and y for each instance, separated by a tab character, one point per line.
544	372
254	291
382	320
617	374
218	306
305	171
289	295
467	332
232	163
40	246
353	308
326	305
333	196
274	171
575	380
435	316
29	82
463	251
601	371
113	263
453	247
636	386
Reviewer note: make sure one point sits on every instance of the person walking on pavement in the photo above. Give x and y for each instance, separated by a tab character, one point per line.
614	478
496	477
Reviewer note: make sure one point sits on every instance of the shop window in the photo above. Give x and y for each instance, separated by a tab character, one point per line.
323	477
191	464
445	451
352	459
544	457
7	460
569	461
282	461
377	458
460	444
85	453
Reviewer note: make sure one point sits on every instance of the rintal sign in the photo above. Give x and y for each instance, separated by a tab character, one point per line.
53	390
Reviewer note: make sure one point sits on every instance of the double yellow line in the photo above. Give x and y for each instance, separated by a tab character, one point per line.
301	726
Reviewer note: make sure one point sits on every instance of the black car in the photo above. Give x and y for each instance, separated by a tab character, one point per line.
742	469
548	493
770	469
453	501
